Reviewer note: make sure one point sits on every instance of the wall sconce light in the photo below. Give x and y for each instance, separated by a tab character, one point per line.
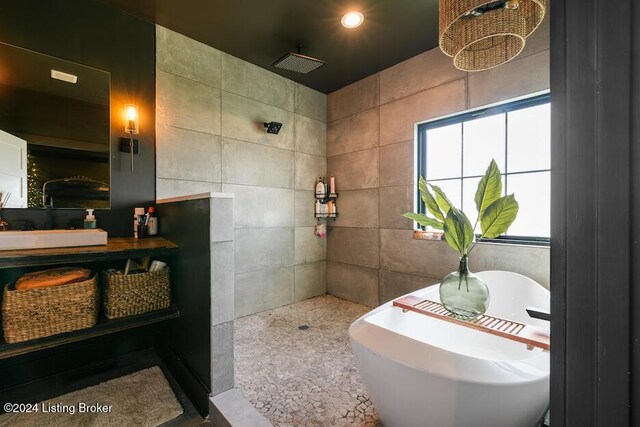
273	127
131	126
131	119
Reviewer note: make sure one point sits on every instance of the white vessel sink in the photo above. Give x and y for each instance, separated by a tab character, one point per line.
41	239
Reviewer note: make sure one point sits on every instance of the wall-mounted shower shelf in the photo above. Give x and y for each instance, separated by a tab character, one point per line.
327	197
327	215
530	335
324	199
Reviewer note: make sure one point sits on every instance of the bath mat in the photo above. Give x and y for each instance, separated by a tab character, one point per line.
143	398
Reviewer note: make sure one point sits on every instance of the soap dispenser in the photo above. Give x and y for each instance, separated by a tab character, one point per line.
90	220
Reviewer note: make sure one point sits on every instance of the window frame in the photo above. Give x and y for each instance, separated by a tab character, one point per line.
503	108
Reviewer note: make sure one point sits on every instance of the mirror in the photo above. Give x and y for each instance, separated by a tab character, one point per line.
54	132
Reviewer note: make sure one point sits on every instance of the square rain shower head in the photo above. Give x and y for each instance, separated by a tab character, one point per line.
298	63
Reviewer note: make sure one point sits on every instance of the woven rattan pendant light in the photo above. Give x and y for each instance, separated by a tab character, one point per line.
481	34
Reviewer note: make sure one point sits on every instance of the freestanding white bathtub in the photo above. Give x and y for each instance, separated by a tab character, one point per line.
425	372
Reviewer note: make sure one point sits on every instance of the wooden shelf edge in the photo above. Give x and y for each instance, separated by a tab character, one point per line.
116	248
103	327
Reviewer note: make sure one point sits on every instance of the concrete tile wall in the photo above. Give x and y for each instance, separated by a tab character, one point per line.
211	108
358	208
310	280
353	282
371	254
222	294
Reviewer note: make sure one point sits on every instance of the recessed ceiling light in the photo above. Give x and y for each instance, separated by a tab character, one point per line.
65	77
352	19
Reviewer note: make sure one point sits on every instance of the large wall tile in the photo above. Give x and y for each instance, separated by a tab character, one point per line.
519	77
394	285
222	213
308	246
254	164
353	283
187	104
398	118
353	246
429	69
222	288
354	98
244	118
257	207
396	164
353	133
394	201
310	280
246	79
308	169
530	261
310	103
305	208
263	290
310	136
222	348
166	188
188	58
539	40
357	208
400	252
263	248
189	155
354	171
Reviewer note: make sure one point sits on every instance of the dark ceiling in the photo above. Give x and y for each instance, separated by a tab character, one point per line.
261	31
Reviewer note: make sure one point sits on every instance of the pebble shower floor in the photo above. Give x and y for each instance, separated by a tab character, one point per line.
294	364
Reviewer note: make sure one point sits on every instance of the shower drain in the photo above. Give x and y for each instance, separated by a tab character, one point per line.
303	327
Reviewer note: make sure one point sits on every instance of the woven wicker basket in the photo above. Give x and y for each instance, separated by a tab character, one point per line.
42	312
136	293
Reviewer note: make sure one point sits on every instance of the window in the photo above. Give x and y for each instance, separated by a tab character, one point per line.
453	153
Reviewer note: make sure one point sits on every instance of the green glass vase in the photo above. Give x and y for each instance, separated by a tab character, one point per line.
463	293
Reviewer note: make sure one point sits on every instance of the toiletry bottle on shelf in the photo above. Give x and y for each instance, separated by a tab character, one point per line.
152	223
332	186
324	209
318	207
138	216
90	220
320	191
326	186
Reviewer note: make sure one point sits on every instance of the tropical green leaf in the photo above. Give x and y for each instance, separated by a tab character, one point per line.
441	199
458	231
498	217
489	188
429	200
424	220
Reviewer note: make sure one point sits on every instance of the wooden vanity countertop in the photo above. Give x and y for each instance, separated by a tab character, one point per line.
116	248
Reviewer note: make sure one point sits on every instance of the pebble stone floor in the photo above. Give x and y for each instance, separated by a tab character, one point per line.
303	377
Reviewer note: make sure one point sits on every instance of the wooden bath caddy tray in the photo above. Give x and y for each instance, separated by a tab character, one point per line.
532	336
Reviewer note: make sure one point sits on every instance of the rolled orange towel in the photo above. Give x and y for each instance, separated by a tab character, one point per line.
53	277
